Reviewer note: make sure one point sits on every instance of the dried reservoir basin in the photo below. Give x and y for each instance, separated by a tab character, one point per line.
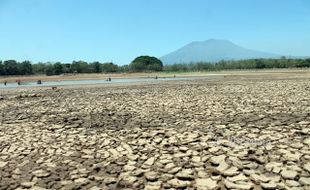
93	82
237	132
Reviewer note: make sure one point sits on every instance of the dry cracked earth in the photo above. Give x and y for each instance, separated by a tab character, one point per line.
230	133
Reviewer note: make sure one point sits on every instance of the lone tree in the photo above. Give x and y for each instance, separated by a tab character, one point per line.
146	63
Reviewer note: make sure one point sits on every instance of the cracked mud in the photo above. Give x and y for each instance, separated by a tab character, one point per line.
221	134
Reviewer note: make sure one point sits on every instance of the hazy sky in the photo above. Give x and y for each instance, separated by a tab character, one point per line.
120	30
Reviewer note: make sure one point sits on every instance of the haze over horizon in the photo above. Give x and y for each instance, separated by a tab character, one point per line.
119	31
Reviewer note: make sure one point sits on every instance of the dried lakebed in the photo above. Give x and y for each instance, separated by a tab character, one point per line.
95	82
225	134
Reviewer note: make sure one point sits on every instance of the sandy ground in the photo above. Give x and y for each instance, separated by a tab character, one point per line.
242	131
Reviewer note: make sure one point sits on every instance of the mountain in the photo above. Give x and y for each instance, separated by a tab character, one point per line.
213	51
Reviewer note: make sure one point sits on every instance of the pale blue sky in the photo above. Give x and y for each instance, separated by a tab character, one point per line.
120	30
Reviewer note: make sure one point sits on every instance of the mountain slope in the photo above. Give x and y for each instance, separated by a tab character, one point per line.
213	51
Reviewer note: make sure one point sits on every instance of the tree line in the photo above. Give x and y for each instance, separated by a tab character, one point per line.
139	64
12	67
240	64
142	64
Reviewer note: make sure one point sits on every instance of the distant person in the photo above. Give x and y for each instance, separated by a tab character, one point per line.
39	82
5	82
156	77
109	79
18	82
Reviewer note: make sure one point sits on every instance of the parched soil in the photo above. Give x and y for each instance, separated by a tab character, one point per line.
275	73
237	132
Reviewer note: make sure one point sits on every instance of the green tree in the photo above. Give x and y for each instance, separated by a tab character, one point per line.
58	68
109	67
80	67
49	69
123	68
260	64
95	67
307	61
11	67
146	63
25	68
66	68
1	69
38	68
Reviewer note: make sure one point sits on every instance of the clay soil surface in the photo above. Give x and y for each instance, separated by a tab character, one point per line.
245	130
94	76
